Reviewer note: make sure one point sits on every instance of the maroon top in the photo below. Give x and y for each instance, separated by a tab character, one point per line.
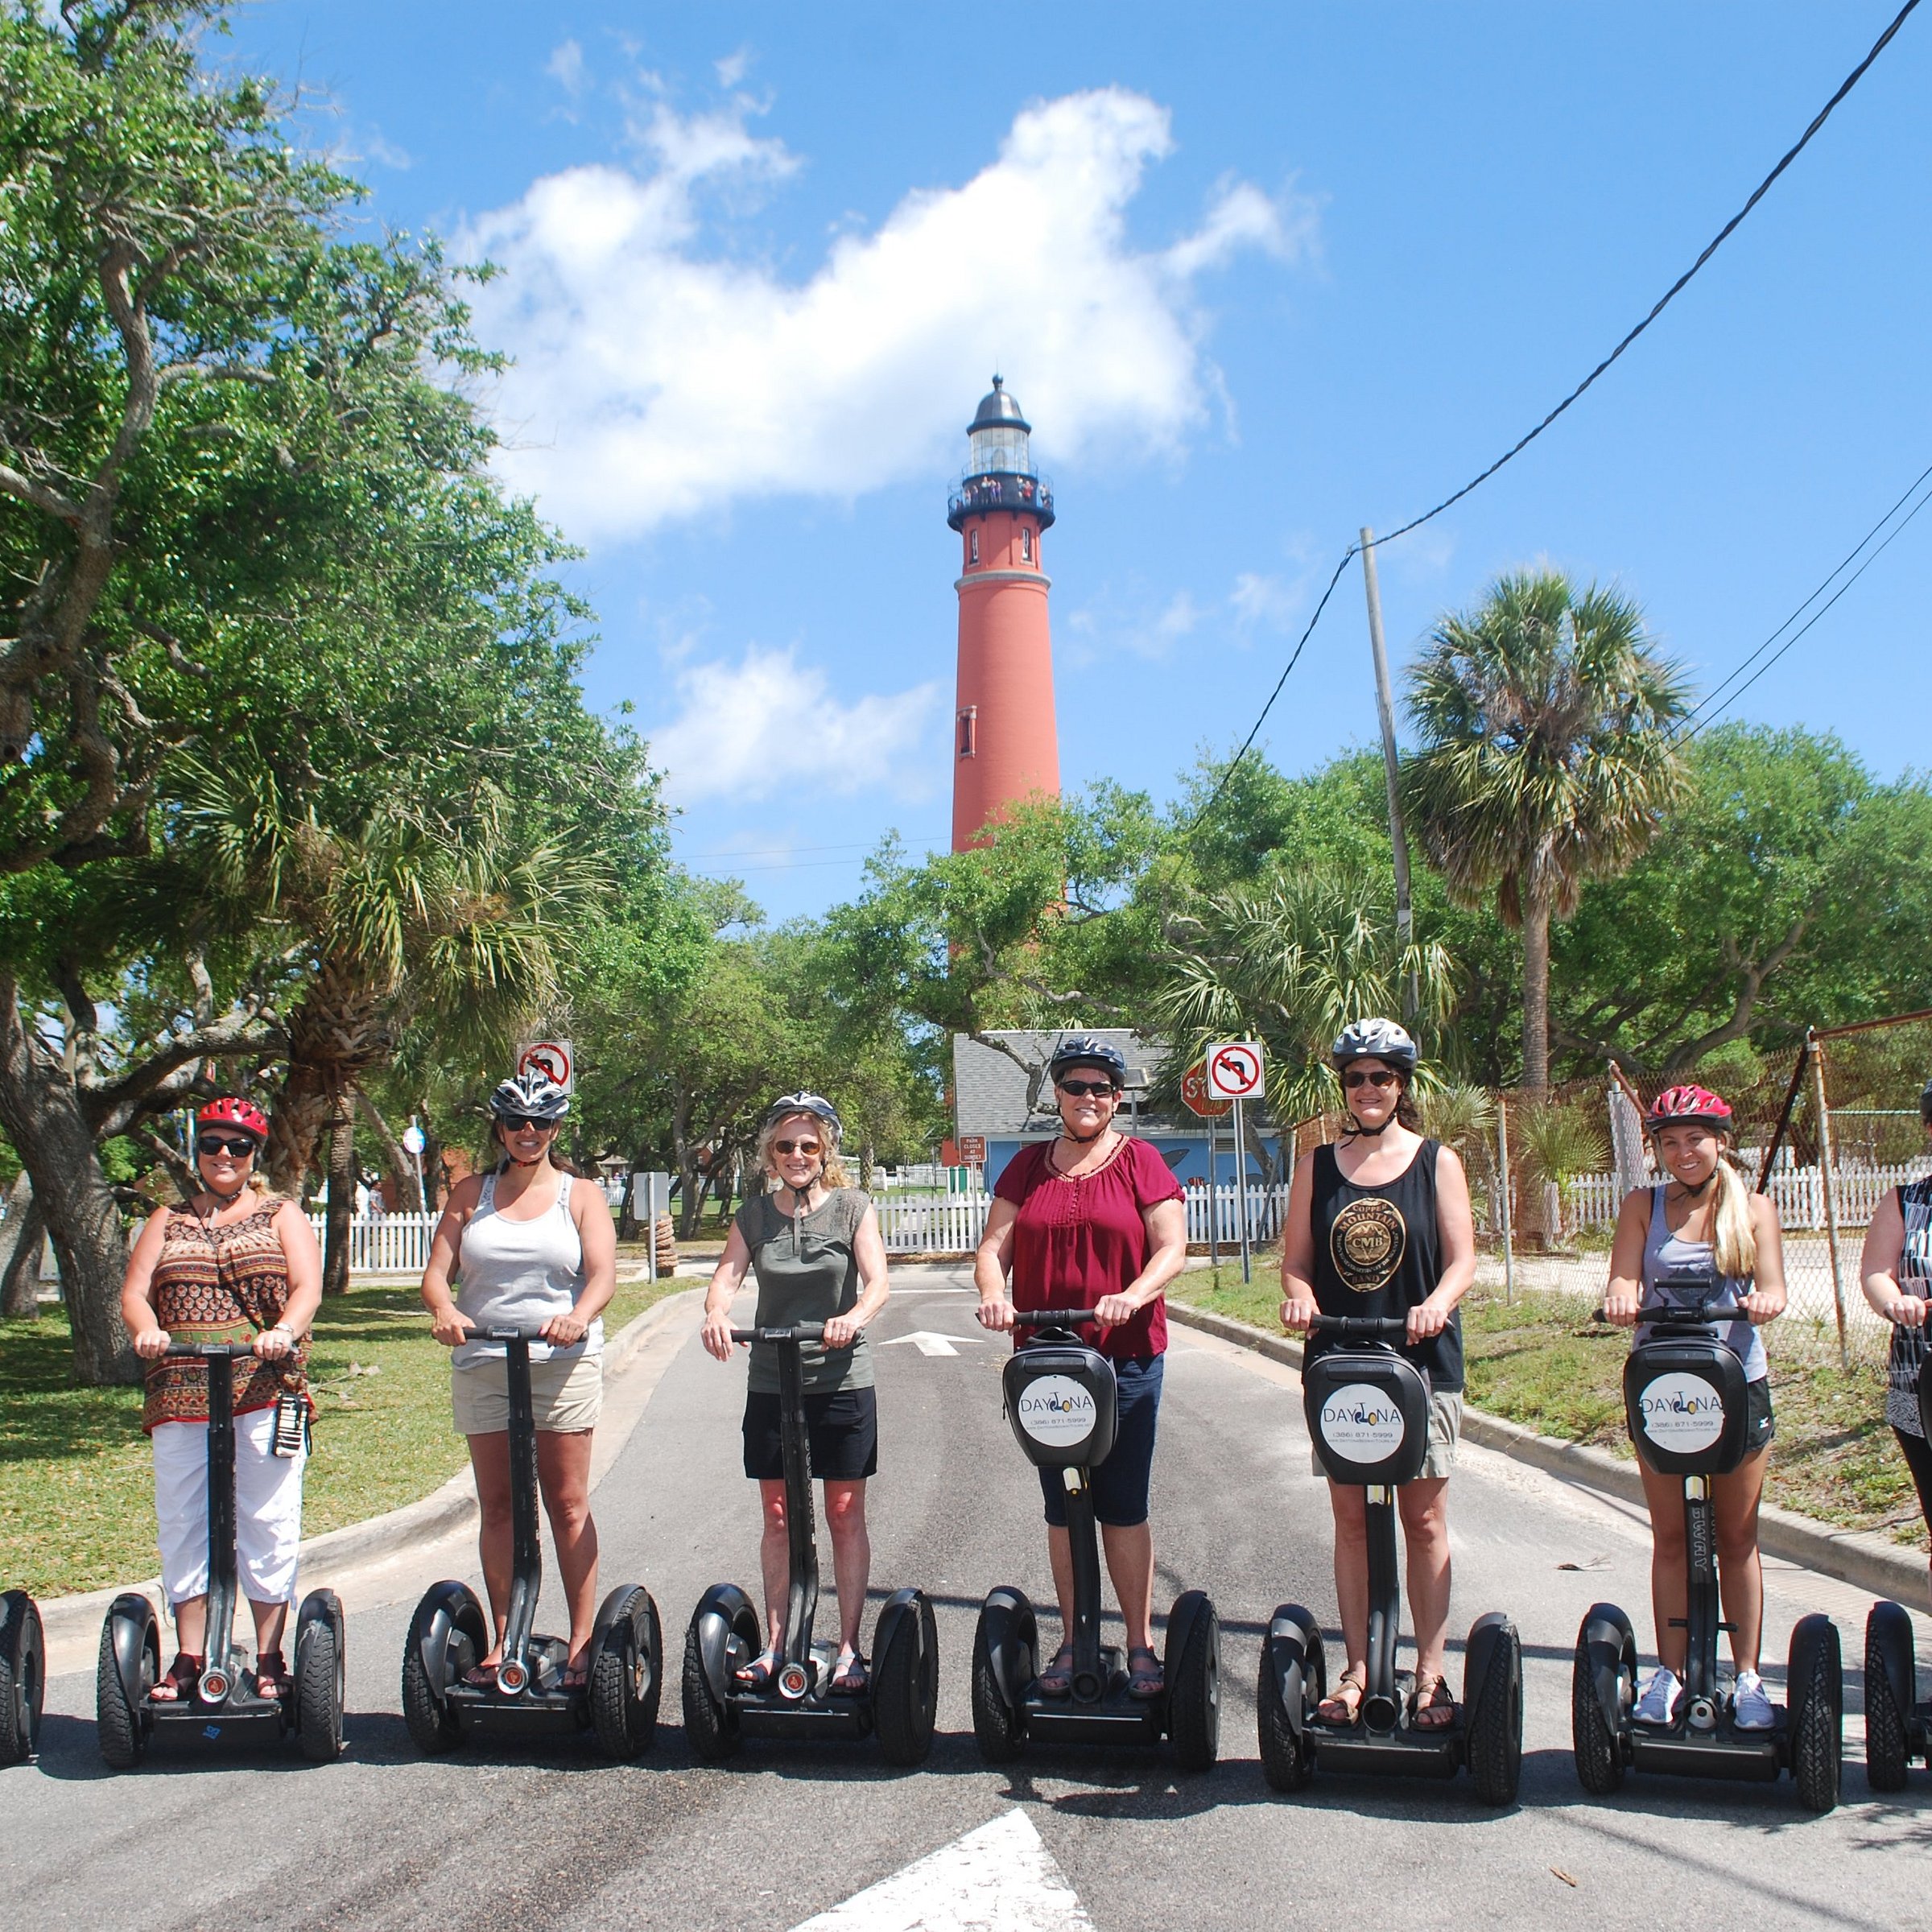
1078	1240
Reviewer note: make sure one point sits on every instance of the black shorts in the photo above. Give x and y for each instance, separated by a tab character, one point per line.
1760	1424
841	1434
1917	1453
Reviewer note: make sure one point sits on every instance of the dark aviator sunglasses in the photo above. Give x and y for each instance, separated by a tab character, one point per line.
517	1122
1086	1089
214	1143
1359	1076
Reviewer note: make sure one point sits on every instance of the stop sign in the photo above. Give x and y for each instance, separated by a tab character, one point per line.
1195	1096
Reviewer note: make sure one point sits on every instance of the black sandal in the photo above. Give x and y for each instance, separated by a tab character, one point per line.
1144	1681
758	1674
1056	1680
177	1686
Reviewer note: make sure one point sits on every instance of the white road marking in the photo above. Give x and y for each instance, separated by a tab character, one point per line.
999	1878
925	1341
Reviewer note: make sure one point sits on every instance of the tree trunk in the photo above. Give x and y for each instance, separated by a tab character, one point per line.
22	1235
1536	997
40	1112
302	1111
401	1169
342	1197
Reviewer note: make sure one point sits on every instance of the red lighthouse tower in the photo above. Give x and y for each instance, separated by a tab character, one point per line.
1005	746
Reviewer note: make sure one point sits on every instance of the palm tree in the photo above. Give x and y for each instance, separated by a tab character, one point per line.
1545	758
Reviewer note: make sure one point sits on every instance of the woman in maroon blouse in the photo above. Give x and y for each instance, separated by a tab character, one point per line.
1095	1219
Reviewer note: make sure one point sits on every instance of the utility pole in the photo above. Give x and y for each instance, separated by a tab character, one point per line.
1398	838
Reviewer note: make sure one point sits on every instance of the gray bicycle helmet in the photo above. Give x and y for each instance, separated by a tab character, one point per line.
1373	1040
533	1095
1083	1050
814	1104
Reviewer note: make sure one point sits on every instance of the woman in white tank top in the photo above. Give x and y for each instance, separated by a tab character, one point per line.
532	1247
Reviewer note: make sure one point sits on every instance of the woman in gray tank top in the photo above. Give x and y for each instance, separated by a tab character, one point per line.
815	1245
1700	1222
532	1247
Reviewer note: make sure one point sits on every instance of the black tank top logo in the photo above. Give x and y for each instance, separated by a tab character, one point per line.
1366	1243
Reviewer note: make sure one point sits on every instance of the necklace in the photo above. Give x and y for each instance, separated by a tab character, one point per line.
227	1200
1053	1151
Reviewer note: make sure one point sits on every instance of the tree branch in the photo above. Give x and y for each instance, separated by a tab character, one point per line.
41	496
110	1106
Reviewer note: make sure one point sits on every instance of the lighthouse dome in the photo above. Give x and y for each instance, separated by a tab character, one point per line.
998	410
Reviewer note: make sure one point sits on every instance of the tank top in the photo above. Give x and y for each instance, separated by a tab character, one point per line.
220	1282
807	1271
1378	1252
520	1273
1914	1276
1665	1253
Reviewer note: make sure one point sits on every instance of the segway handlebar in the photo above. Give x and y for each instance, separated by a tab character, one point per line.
800	1331
1052	1318
1684	1320
204	1352
1362	1328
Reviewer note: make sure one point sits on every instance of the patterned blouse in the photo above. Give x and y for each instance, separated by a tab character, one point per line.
1913	1276
218	1282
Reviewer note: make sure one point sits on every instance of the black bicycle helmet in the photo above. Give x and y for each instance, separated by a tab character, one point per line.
1373	1040
814	1104
533	1094
1083	1050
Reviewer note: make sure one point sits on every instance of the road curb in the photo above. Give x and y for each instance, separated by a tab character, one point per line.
443	1512
1853	1556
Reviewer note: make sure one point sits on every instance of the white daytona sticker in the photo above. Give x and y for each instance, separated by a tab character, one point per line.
1362	1423
1056	1410
1682	1412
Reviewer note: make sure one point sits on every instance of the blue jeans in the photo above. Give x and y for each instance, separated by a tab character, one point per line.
1120	1484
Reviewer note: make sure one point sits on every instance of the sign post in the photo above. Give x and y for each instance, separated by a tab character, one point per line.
412	1145
1234	1073
1214	1202
1197	1100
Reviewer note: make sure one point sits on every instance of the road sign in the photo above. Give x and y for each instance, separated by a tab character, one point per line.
1194	1097
972	1149
1234	1070
553	1058
413	1141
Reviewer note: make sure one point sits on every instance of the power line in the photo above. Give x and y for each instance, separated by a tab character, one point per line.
1691	726
1516	449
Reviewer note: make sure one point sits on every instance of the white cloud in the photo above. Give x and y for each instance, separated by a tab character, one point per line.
1258	600
660	375
565	66
746	729
731	70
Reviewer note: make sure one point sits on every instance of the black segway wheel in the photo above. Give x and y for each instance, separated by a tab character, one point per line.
1287	1757
711	1727
23	1676
1815	1689
1194	1682
448	1624
906	1687
626	1676
996	1727
1495	1717
321	1677
120	1720
1598	1749
1891	1677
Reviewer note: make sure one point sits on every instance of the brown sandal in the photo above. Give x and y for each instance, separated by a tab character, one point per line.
1342	1707
1432	1708
177	1685
272	1678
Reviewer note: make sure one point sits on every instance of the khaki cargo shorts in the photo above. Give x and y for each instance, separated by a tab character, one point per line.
566	1392
1445	1432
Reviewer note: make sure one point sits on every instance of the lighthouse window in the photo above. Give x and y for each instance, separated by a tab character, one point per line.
1026	543
969	731
972	547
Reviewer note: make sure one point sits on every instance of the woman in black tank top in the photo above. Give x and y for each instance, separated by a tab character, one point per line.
1380	1225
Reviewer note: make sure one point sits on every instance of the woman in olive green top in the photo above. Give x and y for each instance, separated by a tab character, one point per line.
814	1244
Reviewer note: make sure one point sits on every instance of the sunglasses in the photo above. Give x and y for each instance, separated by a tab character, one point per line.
1357	1077
517	1122
796	1146
209	1143
1086	1089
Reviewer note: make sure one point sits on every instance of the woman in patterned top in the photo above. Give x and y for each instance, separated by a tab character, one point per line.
1896	1270
237	1262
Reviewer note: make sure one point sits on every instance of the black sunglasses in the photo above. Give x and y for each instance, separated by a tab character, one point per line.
1092	1089
517	1122
210	1143
1357	1076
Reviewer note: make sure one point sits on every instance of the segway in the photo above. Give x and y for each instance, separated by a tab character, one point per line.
22	1678
1061	1399
900	1703
525	1695
1898	1728
1367	1411
225	1701
1684	1398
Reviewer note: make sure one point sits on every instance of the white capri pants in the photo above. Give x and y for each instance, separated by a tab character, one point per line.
268	1509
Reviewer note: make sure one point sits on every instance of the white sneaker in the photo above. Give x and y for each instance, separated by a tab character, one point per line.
1750	1709
1658	1703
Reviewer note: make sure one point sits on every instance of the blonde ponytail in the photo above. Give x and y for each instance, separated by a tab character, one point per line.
1734	1240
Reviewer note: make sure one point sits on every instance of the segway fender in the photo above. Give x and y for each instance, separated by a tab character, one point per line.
322	1607
131	1616
1889	1635
439	1615
1188	1606
1608	1633
1292	1633
897	1608
719	1610
1481	1648
1012	1637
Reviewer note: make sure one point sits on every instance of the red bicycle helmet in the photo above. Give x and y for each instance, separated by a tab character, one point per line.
232	1111
1688	1106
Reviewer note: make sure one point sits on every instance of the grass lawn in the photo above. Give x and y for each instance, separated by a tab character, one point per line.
1542	1362
76	1482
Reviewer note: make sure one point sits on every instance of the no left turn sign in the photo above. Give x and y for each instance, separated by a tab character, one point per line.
1234	1070
552	1058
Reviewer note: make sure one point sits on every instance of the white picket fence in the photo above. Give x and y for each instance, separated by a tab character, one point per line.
953	1226
390	1243
1591	1200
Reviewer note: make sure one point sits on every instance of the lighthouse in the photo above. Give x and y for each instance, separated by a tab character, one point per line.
1006	747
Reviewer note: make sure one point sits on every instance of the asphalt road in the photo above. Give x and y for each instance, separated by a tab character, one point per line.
559	1838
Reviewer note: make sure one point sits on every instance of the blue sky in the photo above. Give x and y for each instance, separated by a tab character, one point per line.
1259	275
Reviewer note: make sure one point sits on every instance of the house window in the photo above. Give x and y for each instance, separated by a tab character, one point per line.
969	731
972	547
1026	542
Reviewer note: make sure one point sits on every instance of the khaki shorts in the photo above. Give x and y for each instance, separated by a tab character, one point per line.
1445	1432
567	1393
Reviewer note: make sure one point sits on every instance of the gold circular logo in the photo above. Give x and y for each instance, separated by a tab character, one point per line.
1366	1243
